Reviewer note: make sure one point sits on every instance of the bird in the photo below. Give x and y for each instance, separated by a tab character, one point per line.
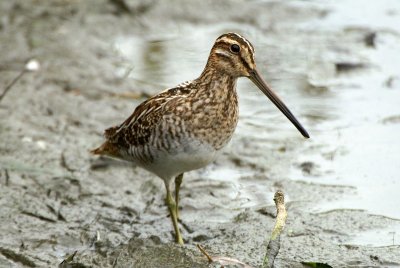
184	128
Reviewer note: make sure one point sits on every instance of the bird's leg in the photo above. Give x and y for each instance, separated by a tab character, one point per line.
178	182
172	210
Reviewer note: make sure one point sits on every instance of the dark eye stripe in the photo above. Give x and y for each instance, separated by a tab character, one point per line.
246	41
223	44
235	48
239	39
245	63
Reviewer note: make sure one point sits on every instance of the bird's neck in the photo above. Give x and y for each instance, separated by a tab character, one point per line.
215	102
216	84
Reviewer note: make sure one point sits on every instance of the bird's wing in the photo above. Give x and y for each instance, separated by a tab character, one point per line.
137	128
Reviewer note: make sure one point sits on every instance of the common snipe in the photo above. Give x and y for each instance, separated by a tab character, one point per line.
183	128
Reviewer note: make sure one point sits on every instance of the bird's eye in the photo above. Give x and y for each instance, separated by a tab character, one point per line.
235	48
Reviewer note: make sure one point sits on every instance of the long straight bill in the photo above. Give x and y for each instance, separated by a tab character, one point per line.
262	85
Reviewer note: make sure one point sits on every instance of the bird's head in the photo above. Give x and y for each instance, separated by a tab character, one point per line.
234	55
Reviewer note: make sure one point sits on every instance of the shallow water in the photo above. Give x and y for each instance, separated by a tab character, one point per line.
361	145
334	65
389	236
352	116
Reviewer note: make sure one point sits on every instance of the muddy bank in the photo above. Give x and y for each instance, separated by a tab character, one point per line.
98	61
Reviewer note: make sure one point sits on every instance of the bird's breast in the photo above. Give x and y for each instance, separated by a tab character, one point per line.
213	120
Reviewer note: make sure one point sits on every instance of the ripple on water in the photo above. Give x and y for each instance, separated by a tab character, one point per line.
352	140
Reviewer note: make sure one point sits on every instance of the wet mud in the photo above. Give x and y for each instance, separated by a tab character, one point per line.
99	59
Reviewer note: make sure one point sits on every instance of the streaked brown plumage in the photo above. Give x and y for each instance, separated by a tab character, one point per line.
183	128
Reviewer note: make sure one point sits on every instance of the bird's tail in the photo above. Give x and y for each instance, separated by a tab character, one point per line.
108	149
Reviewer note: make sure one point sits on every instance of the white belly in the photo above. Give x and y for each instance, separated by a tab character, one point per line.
185	157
